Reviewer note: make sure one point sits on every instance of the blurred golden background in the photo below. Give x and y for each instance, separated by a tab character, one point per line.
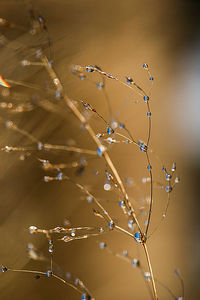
118	36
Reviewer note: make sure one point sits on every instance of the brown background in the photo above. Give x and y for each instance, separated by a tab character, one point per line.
118	36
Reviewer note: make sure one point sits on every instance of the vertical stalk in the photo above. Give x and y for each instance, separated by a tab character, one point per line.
151	271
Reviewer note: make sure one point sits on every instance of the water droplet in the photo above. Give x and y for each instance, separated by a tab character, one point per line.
32	229
140	142
121	125
111	225
82	76
3	269
125	253
90	199
49	273
76	281
131	224
129	181
137	237
143	147
135	262
58	94
108	175
146	98
168	189
83	161
89	69
110	140
107	186
30	246
7	148
100	85
147	275
102	245
129	80
47	178
86	297
25	63
110	130
39	146
83	297
144	180
114	124
173	167
168	177
51	249
177	179
72	233
101	229
56	81
100	150
176	272
145	66
60	176
122	203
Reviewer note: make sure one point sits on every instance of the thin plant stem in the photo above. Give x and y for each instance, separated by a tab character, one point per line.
43	273
151	196
165	287
151	271
124	231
